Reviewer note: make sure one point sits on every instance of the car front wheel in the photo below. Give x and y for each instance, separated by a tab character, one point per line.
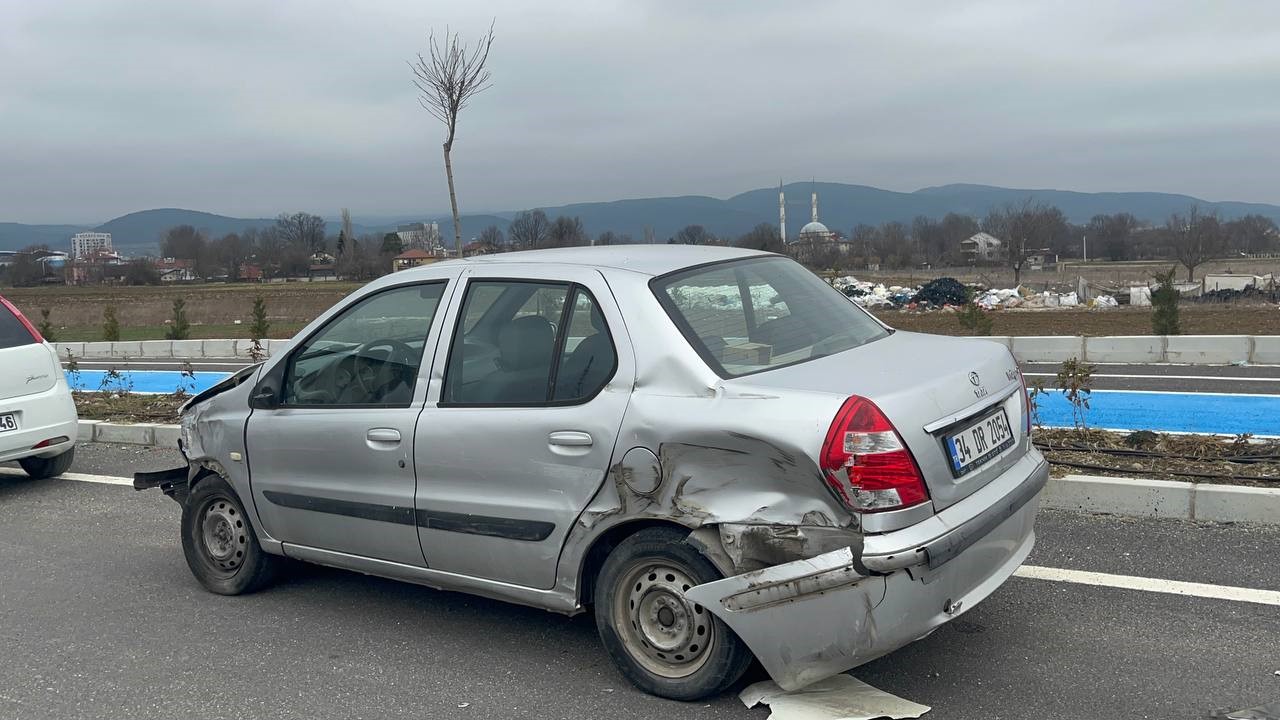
663	643
44	468
219	543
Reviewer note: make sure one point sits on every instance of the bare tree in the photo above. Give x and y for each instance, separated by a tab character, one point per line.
1195	238
447	79
608	237
1024	229
492	239
529	229
695	235
567	232
762	237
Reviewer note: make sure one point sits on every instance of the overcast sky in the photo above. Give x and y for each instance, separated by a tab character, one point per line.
253	108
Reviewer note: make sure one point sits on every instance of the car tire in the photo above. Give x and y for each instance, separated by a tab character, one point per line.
45	468
220	545
661	642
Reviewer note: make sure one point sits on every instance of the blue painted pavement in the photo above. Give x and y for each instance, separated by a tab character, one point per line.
143	381
1230	414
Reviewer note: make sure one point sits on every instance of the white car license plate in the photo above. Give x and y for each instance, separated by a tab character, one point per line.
8	422
979	442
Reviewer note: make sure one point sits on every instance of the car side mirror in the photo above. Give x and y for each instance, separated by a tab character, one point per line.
266	394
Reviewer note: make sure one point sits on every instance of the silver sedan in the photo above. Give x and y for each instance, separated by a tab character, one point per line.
710	449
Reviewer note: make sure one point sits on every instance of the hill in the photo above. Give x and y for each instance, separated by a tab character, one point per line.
842	206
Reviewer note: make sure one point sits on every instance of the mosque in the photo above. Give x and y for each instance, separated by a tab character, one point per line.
815	239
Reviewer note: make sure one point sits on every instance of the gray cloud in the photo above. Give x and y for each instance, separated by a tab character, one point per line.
250	108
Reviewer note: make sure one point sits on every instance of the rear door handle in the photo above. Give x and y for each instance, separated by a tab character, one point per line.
570	438
383	435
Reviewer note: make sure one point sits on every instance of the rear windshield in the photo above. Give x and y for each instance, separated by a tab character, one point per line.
12	332
747	316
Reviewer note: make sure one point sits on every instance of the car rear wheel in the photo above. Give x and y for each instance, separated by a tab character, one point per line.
44	468
219	543
663	643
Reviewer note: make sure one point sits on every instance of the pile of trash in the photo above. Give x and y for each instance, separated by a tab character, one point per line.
942	292
873	295
945	292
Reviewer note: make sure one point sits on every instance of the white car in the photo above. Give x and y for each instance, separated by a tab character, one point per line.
37	414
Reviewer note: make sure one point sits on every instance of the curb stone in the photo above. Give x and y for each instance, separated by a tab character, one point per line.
1138	497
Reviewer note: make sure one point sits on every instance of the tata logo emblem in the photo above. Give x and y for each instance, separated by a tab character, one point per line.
974	379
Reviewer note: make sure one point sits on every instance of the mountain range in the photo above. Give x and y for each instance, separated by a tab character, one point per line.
842	206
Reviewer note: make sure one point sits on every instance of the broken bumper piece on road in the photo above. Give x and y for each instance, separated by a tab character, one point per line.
809	619
172	482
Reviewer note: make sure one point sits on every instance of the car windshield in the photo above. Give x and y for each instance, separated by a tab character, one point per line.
751	315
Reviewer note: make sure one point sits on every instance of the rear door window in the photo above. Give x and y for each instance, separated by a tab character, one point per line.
12	332
747	316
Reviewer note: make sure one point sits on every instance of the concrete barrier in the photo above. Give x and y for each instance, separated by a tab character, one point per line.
1124	349
1048	348
183	349
1266	349
155	349
1208	349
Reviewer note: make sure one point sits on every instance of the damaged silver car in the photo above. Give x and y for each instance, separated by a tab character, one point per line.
711	449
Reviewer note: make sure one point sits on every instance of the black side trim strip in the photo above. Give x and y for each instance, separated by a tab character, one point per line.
364	511
510	528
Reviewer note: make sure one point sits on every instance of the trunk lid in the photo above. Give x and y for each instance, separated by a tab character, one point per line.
929	386
27	365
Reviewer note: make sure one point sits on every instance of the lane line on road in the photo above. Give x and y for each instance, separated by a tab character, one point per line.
78	477
1169	587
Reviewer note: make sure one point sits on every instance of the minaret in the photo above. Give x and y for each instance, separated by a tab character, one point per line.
782	213
814	201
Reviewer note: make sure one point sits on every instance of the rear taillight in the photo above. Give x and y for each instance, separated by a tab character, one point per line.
35	334
866	463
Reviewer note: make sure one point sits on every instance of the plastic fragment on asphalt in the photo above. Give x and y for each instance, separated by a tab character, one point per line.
1270	711
840	697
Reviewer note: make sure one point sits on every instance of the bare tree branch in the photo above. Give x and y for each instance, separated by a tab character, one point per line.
447	78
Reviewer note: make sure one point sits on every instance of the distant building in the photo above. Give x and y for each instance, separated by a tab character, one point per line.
413	258
981	248
815	240
175	270
86	244
422	235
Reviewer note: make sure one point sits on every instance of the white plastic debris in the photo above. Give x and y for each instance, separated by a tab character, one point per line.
840	697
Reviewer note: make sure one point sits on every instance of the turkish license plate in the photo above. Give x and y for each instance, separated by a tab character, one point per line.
8	422
978	442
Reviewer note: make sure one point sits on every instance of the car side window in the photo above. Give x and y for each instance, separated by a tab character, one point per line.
531	345
369	354
588	358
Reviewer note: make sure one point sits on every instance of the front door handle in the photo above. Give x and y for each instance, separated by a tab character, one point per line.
383	435
570	438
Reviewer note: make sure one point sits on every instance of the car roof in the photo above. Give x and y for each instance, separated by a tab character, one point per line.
645	259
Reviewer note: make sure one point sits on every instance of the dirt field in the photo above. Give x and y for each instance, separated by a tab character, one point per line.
212	310
1225	319
76	313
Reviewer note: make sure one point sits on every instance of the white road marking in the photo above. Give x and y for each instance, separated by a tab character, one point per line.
78	477
1170	587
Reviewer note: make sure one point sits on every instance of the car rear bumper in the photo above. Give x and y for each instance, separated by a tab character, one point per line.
41	416
810	619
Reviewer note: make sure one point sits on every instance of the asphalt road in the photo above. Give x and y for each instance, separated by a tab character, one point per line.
99	617
1260	379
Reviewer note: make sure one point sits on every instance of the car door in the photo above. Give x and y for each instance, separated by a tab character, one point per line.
520	426
331	456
